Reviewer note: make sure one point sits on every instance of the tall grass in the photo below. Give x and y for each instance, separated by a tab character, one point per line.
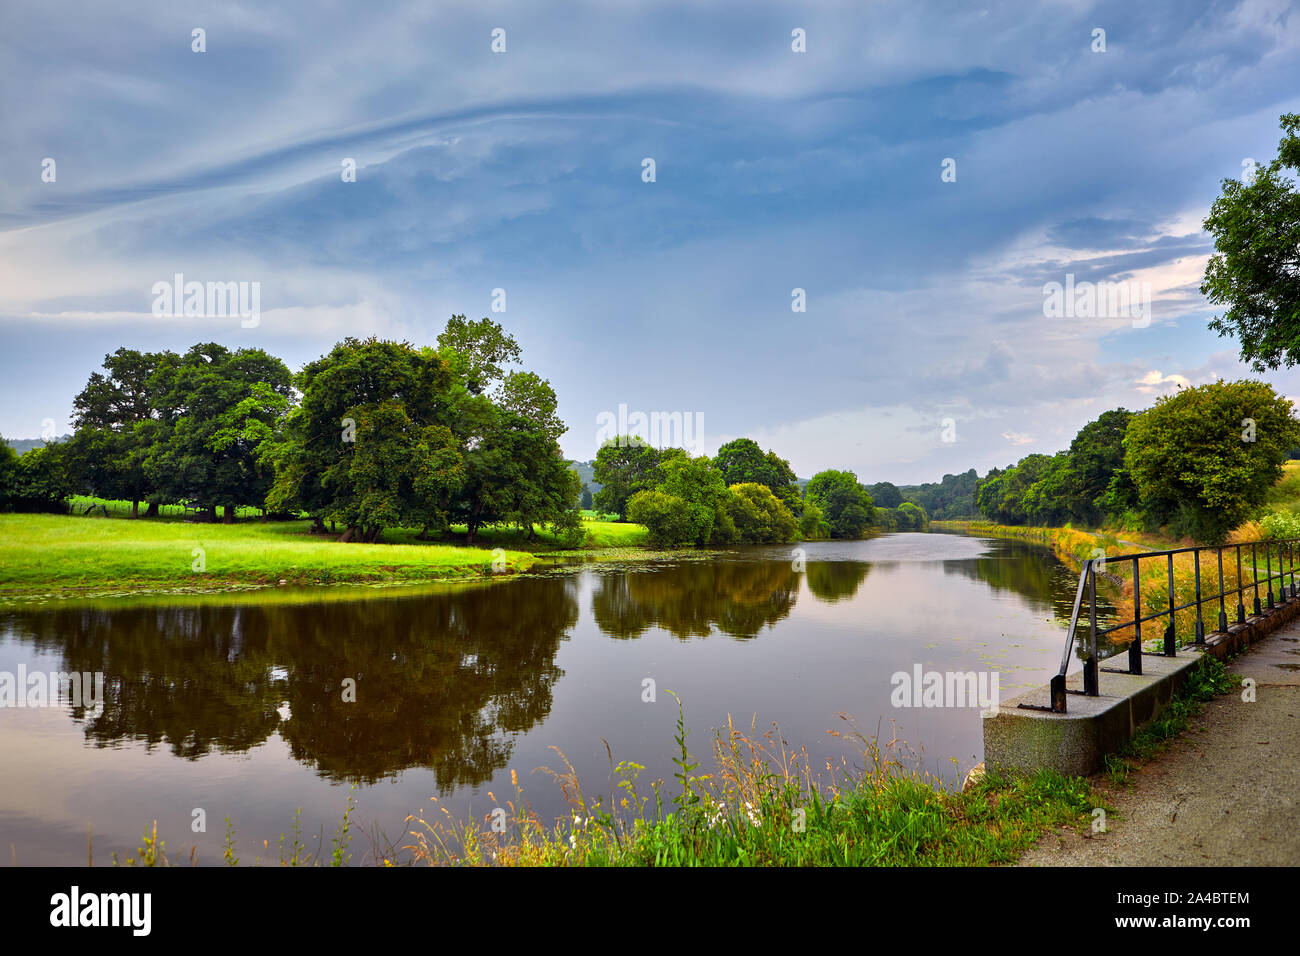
764	805
1074	547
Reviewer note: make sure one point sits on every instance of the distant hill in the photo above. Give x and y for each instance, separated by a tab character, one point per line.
953	497
21	445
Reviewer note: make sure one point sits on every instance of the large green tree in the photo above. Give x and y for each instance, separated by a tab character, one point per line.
515	470
845	504
1204	459
1100	485
914	515
742	461
117	421
222	412
389	434
623	467
1024	492
372	442
1255	271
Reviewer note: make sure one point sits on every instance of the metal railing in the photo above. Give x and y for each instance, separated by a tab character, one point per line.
1286	547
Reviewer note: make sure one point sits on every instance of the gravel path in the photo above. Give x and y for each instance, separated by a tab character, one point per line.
1224	793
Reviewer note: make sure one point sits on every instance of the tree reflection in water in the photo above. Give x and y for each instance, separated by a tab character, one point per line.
445	679
441	679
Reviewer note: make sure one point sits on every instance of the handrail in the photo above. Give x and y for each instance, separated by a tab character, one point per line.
1088	578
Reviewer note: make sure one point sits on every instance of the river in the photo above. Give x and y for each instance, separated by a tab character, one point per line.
235	704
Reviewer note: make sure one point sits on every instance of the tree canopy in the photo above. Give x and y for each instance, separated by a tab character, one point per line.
389	434
742	461
1203	459
1255	271
845	503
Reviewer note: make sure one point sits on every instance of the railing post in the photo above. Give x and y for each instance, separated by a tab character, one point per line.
1292	567
1241	591
1255	578
1284	589
1200	623
1171	638
1268	567
1291	563
1223	614
1057	693
1135	649
1091	683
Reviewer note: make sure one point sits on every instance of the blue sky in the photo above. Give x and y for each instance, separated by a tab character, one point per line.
775	170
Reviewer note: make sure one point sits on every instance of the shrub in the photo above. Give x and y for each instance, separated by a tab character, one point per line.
667	518
812	524
1280	524
760	517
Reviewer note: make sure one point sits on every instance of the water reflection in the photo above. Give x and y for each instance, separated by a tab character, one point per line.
446	680
438	682
1017	567
737	598
834	581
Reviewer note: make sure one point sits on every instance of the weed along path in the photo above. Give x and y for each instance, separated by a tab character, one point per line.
1224	792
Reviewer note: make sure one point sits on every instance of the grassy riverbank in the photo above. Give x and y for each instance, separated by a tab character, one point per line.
761	805
61	555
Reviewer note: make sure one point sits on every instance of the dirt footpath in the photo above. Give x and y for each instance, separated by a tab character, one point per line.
1224	793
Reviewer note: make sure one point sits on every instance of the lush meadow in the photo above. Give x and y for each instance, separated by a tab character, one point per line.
66	554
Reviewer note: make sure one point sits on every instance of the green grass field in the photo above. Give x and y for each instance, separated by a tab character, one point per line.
1285	495
62	555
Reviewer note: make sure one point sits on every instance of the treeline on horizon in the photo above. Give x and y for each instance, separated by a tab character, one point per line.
380	434
1198	463
374	434
742	495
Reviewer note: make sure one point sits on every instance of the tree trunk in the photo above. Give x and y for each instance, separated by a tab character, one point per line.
135	507
228	514
152	510
349	534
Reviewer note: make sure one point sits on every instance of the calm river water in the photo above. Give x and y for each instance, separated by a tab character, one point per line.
233	704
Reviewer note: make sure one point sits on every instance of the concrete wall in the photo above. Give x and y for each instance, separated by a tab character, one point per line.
1078	741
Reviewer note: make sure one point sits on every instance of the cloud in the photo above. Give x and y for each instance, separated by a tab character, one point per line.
1154	381
776	171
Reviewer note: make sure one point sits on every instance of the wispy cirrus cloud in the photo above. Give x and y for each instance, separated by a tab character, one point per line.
775	171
